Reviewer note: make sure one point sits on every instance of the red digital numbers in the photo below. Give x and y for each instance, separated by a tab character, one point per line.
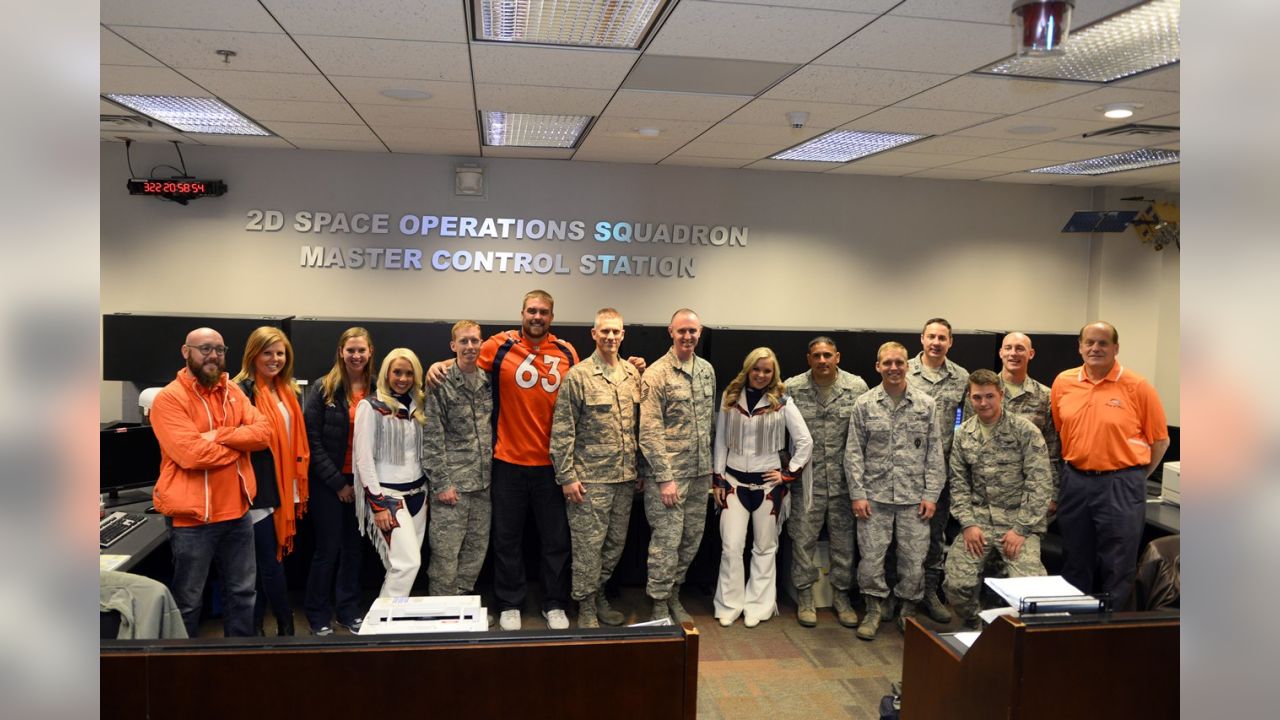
174	188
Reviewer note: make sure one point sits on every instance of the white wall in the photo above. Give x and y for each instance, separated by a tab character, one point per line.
823	250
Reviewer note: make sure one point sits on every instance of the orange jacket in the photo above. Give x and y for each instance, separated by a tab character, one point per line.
205	481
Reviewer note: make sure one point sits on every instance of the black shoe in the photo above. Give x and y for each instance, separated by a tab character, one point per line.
352	625
284	627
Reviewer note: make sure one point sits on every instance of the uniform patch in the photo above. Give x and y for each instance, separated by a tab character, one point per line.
1115	402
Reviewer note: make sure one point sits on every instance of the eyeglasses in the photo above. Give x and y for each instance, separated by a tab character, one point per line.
208	349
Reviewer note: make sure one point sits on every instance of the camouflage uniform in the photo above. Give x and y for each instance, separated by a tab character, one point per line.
949	393
677	421
998	484
1033	404
457	452
594	442
893	457
825	492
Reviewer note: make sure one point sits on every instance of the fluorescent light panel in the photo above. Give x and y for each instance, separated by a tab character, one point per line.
581	23
844	145
1136	40
526	130
191	114
1131	160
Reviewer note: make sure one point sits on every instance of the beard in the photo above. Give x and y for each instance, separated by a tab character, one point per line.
199	368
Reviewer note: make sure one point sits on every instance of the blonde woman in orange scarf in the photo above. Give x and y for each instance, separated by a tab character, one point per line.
266	376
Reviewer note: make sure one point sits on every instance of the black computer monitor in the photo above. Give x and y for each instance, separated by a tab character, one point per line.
129	458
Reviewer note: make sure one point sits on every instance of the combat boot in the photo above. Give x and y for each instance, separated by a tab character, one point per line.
908	610
933	605
587	613
605	612
806	614
678	613
871	620
660	610
844	609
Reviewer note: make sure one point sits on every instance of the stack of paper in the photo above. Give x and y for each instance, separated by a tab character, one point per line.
456	613
1015	590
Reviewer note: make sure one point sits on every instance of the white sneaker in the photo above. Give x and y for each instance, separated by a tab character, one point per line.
556	619
509	620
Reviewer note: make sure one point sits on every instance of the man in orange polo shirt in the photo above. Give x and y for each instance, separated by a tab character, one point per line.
1114	435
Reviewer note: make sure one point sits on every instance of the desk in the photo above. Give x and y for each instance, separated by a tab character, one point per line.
1163	515
140	542
1121	665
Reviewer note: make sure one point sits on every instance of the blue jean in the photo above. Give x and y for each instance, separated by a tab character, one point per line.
271	582
229	545
335	566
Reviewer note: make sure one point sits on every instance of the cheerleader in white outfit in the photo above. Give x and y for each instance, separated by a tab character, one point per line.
386	453
751	479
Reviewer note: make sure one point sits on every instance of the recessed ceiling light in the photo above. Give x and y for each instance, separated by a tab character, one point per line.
526	130
649	132
1139	39
1119	162
1119	111
191	114
406	94
845	145
582	23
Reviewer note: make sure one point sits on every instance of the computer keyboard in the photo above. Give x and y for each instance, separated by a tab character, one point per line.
116	525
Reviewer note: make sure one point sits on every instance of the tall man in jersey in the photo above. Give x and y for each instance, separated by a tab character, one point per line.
526	367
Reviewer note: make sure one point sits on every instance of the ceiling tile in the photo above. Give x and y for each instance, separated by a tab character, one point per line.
381	116
980	93
296	131
671	131
695	161
922	45
368	91
613	152
781	136
1168	78
701	148
251	141
106	107
234	84
949	174
147	81
425	136
298	111
541	100
1115	143
956	145
438	20
928	122
362	57
1052	153
858	168
523	152
1033	128
753	32
554	67
995	164
865	6
188	49
997	12
1174	119
246	15
1022	178
855	86
674	106
434	147
712	76
822	116
348	145
790	166
114	50
1083	107
901	158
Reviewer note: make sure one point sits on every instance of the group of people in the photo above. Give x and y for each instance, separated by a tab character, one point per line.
517	424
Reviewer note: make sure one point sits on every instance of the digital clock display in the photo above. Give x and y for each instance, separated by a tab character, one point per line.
178	187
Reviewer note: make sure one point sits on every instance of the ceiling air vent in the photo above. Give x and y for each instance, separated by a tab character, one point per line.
127	122
1135	129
